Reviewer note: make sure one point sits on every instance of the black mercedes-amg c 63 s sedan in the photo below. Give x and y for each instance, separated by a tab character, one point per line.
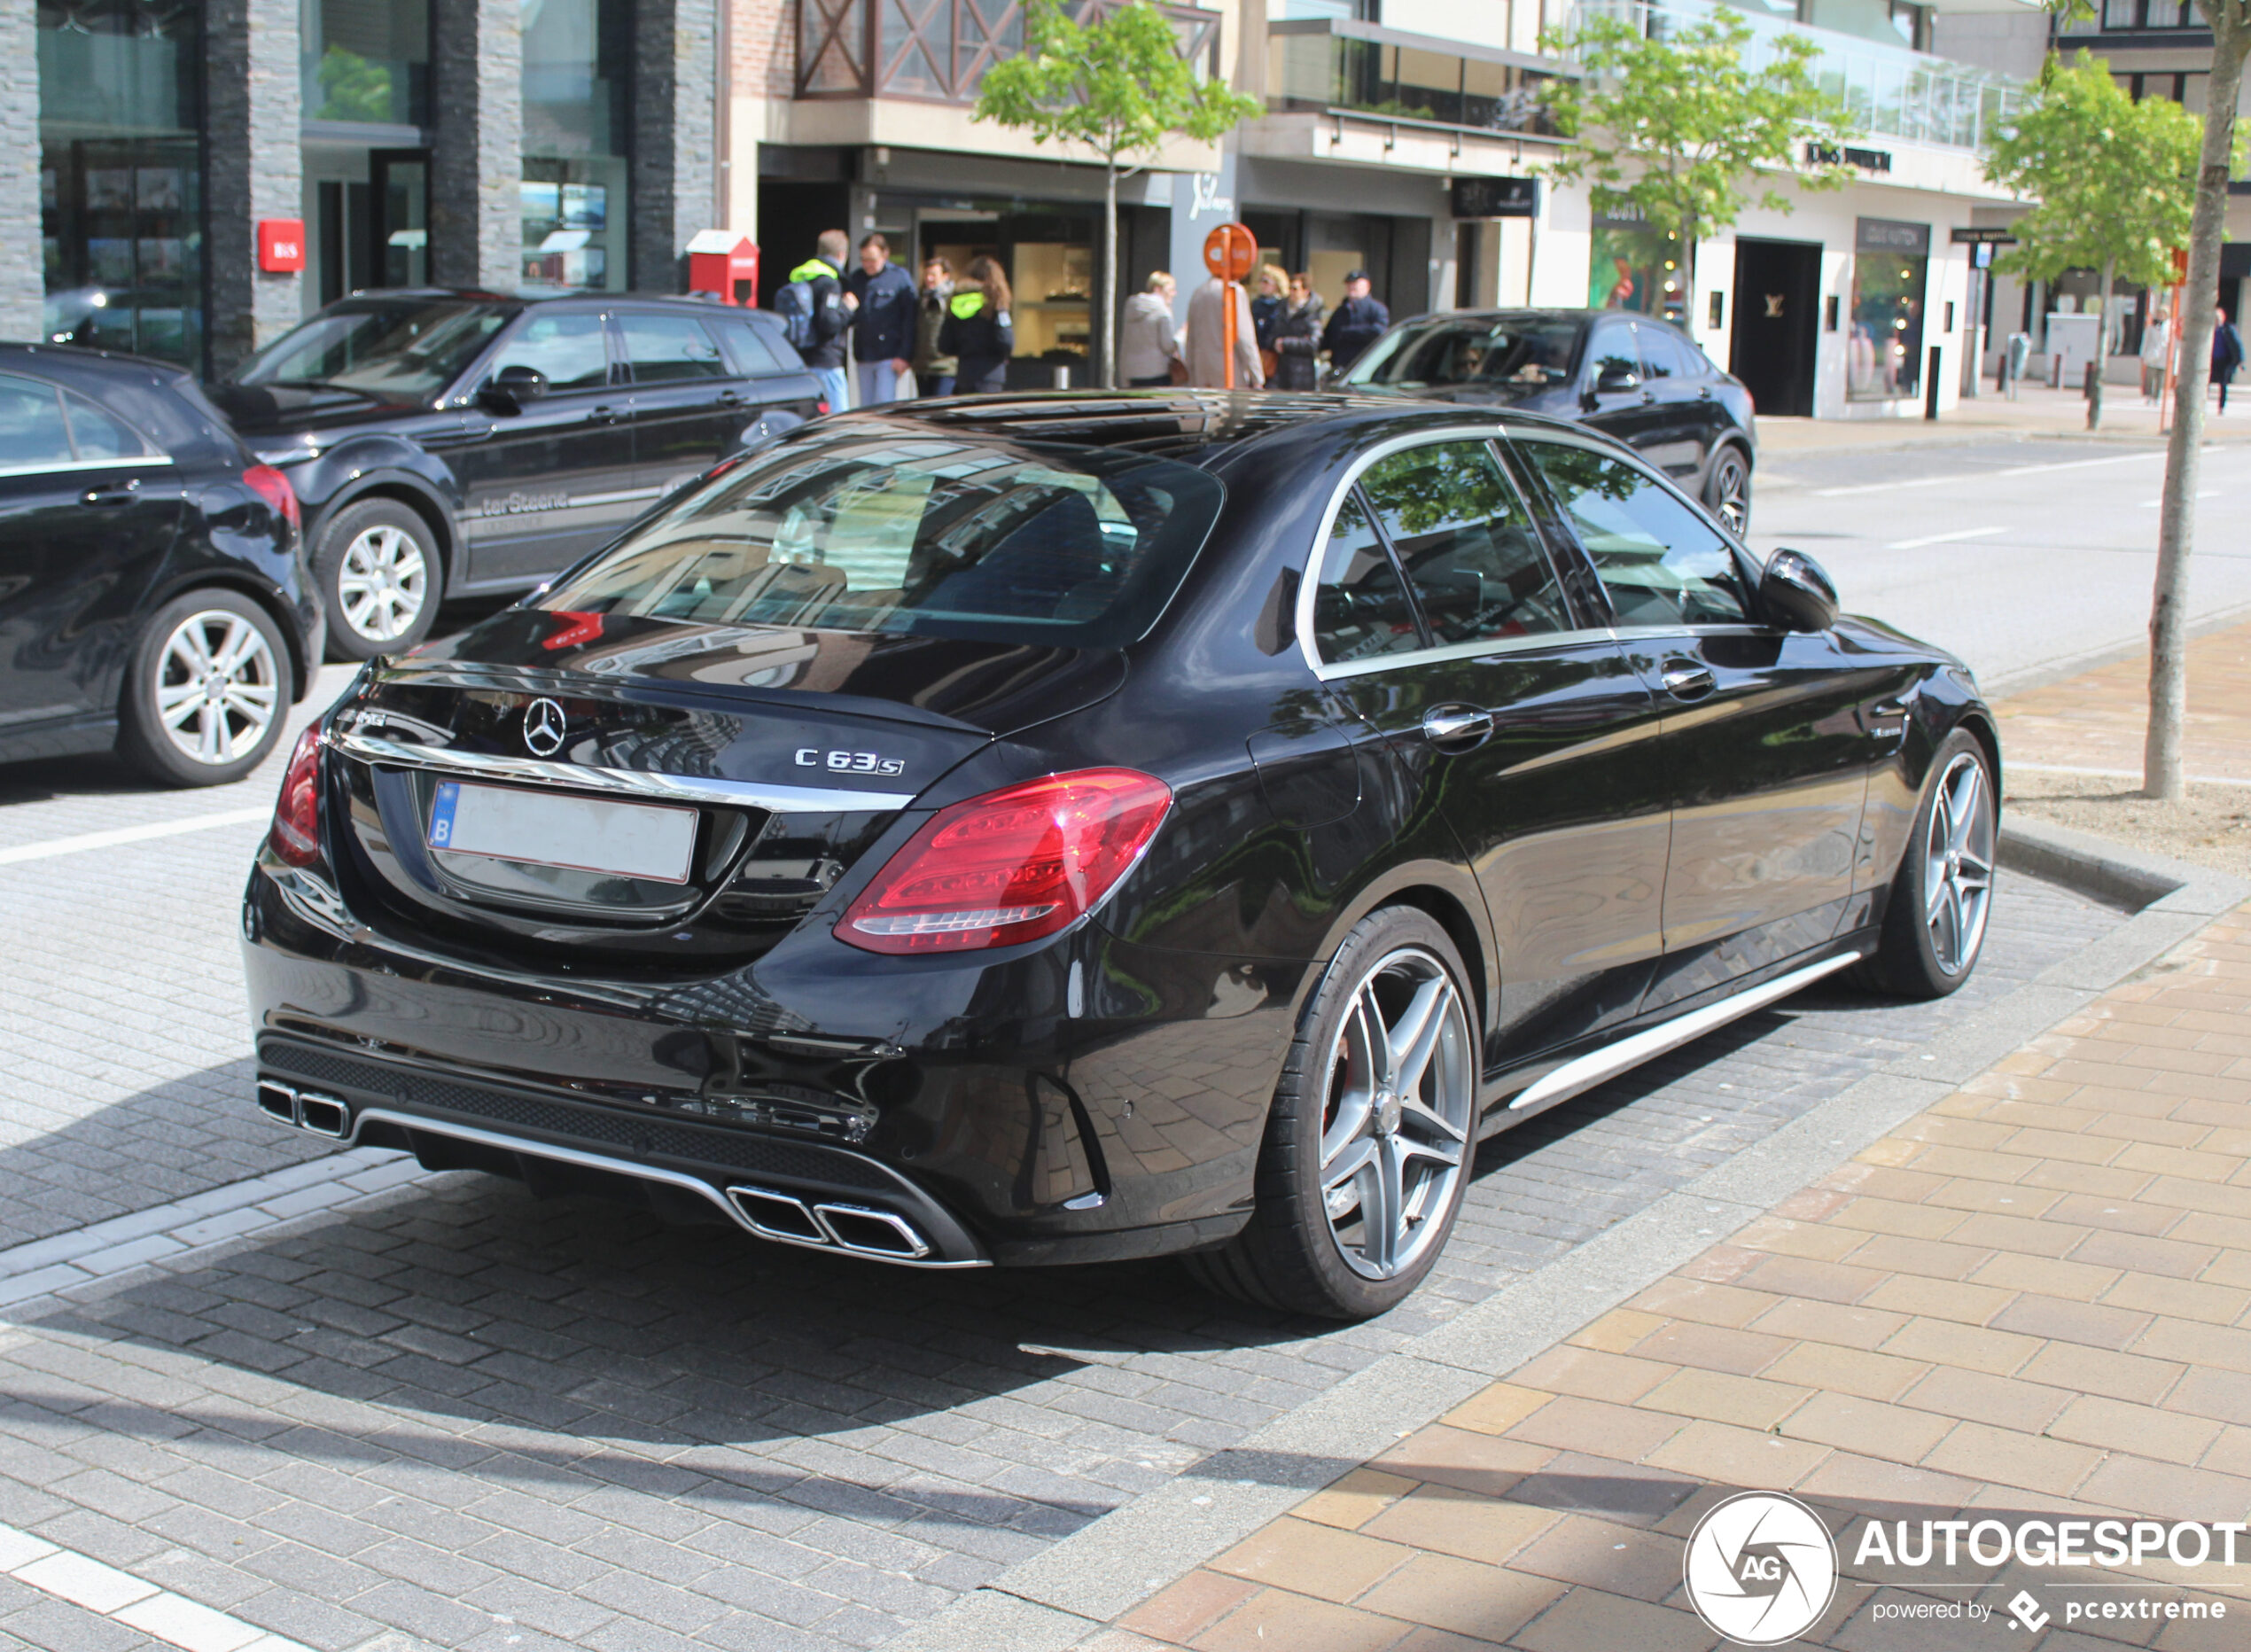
1039	829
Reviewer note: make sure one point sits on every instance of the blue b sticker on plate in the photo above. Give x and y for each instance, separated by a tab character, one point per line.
441	813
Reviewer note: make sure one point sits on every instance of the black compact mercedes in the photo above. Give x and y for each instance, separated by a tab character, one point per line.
1054	829
444	443
1632	377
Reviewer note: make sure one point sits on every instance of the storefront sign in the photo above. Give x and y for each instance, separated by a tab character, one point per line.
280	245
1866	160
1978	234
1496	197
1884	235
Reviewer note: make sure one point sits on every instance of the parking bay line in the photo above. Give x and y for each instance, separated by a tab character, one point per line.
1943	539
1984	476
120	835
128	1600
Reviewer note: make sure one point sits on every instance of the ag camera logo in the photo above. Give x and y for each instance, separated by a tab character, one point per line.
1761	1567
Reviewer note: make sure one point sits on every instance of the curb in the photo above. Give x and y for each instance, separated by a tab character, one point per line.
1077	1586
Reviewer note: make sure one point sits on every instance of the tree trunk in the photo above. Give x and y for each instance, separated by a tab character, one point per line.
2161	774
1109	276
2109	274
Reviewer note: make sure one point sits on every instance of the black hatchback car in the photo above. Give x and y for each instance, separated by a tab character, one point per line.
1058	828
1635	377
444	443
154	596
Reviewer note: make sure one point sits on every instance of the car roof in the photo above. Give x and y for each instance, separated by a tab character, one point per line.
71	361
699	303
1195	426
1520	313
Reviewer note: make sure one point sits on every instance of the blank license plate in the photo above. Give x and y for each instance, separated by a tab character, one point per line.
584	834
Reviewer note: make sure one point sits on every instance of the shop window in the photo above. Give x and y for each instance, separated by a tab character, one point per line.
1637	267
366	60
577	59
121	175
1890	270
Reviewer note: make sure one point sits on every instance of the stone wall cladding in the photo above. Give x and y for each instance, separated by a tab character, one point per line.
23	281
675	136
476	158
255	170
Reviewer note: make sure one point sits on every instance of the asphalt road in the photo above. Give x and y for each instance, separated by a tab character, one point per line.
2029	558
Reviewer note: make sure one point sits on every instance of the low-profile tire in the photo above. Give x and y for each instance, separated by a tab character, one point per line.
1369	1140
205	692
1942	895
1727	490
381	578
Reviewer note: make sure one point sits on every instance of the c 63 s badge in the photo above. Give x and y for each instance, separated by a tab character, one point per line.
850	762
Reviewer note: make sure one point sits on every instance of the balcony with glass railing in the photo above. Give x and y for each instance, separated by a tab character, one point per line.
1888	91
1337	66
937	50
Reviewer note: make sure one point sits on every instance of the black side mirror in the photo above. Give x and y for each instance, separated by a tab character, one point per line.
1615	377
508	390
1797	593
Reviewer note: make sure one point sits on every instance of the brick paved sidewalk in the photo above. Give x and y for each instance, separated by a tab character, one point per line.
2032	1297
2095	721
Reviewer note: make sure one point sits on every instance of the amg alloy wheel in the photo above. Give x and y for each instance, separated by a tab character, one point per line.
380	574
1728	493
1373	1128
1943	893
207	691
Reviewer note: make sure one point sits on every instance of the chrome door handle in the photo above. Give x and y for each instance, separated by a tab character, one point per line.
603	415
116	493
730	399
1457	728
1685	680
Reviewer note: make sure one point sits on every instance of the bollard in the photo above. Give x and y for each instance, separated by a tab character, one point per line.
1062	378
2094	394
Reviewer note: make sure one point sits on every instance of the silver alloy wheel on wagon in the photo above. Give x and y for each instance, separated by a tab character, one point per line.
382	582
218	686
1958	864
1396	1128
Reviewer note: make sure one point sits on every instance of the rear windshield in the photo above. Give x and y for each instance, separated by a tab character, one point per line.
869	528
1521	353
403	349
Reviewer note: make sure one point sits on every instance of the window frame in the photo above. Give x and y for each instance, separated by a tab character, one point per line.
1495	438
154	453
1519	445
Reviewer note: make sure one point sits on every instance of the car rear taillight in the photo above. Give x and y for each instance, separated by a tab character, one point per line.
1010	866
295	834
823	404
271	486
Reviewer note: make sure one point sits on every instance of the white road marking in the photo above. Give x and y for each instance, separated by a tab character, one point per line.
1943	539
122	835
1983	476
135	1602
2208	492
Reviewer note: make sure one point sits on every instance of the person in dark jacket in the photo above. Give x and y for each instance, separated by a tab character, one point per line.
824	273
882	296
1358	322
933	372
1298	337
1265	312
2227	355
978	332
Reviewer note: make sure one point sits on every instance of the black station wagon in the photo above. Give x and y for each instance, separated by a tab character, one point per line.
1069	828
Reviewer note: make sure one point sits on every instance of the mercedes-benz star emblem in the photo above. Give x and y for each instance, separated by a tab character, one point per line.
543	726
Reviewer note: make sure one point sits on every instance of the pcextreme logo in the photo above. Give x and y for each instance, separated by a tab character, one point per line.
1761	1567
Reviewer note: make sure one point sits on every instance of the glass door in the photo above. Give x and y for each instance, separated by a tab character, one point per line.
399	186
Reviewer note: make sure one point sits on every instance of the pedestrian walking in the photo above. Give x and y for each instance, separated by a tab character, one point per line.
2227	356
1272	285
881	296
978	332
1148	342
1207	338
2157	343
934	369
1298	337
1356	323
815	314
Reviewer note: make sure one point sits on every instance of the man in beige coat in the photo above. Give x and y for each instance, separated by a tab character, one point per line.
1207	351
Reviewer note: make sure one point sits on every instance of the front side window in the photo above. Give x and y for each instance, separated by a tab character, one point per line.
924	537
1466	543
1612	349
569	350
1662	563
664	349
1512	353
405	350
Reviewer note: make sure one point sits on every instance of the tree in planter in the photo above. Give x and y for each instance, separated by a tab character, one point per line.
1119	87
1677	125
2116	180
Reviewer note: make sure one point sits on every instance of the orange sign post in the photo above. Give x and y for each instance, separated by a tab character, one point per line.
1229	252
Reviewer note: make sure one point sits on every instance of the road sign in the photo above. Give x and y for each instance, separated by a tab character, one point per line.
1230	251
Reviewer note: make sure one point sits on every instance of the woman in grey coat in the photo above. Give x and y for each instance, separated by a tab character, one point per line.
1298	337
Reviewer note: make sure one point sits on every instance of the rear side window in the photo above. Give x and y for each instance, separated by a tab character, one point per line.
853	530
99	434
33	436
746	349
1360	609
1662	563
664	349
569	349
1467	543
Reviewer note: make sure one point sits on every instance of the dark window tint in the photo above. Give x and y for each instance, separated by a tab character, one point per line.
1612	346
1464	539
664	349
747	347
32	436
1662	563
1665	355
1360	609
102	435
568	348
849	532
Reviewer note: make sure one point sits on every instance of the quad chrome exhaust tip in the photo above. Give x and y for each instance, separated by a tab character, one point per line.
305	1109
858	1229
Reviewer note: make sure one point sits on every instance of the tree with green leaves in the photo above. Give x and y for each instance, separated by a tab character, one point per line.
1118	87
1679	125
2115	180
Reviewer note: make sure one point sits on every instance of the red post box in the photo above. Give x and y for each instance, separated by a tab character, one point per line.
723	262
